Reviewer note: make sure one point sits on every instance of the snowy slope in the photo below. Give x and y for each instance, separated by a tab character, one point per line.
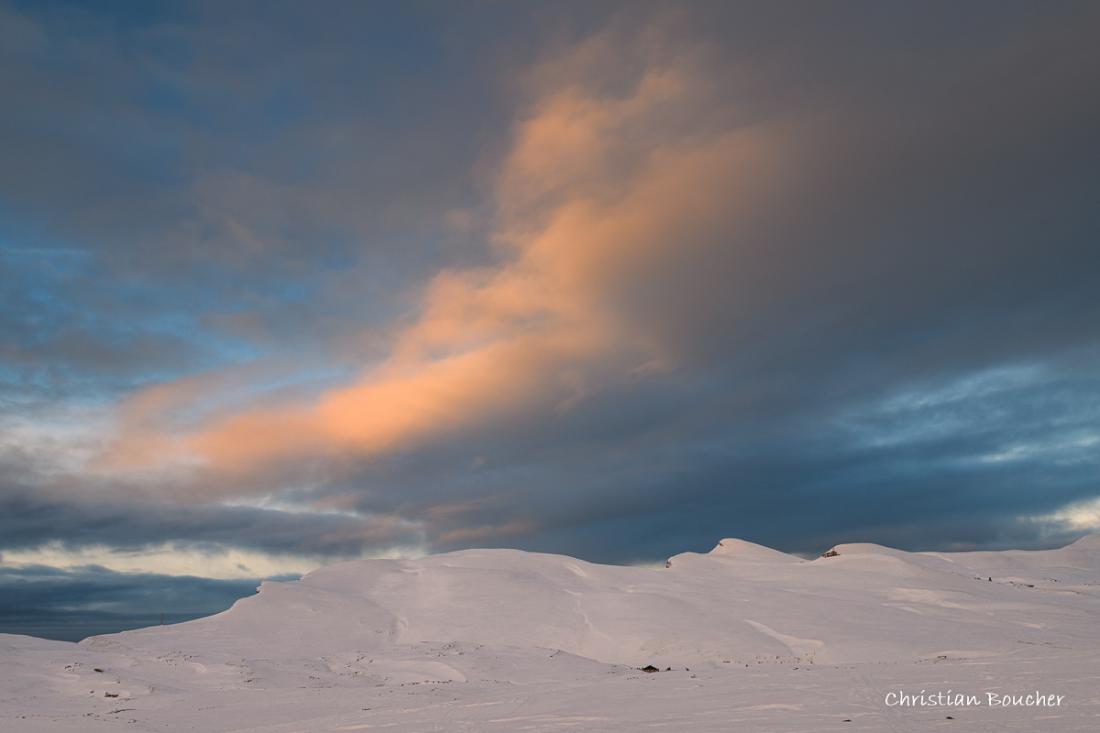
510	640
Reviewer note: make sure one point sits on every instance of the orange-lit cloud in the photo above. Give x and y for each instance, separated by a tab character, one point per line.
605	187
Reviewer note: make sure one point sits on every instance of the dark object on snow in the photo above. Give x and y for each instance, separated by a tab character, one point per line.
991	580
650	669
668	669
110	694
97	669
830	553
949	718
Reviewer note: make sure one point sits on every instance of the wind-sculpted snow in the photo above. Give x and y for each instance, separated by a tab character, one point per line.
745	637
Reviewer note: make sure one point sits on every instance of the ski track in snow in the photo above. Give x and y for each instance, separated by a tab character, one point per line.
503	640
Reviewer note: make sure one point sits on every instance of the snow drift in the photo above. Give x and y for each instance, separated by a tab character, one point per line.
483	619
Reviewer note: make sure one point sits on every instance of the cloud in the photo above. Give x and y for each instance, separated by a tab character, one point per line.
610	282
598	195
76	513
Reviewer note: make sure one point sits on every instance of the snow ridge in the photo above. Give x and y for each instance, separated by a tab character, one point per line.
488	620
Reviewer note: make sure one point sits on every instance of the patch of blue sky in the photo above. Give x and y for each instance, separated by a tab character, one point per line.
1020	414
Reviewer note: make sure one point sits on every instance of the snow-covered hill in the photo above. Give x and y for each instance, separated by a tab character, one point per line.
746	637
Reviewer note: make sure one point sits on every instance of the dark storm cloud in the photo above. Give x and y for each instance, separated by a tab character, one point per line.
955	463
896	341
939	228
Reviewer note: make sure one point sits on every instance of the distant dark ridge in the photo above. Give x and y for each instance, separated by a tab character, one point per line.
80	624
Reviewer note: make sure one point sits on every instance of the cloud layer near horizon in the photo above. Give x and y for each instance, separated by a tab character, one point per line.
668	277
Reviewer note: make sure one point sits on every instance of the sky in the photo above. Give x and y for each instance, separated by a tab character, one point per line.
287	284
